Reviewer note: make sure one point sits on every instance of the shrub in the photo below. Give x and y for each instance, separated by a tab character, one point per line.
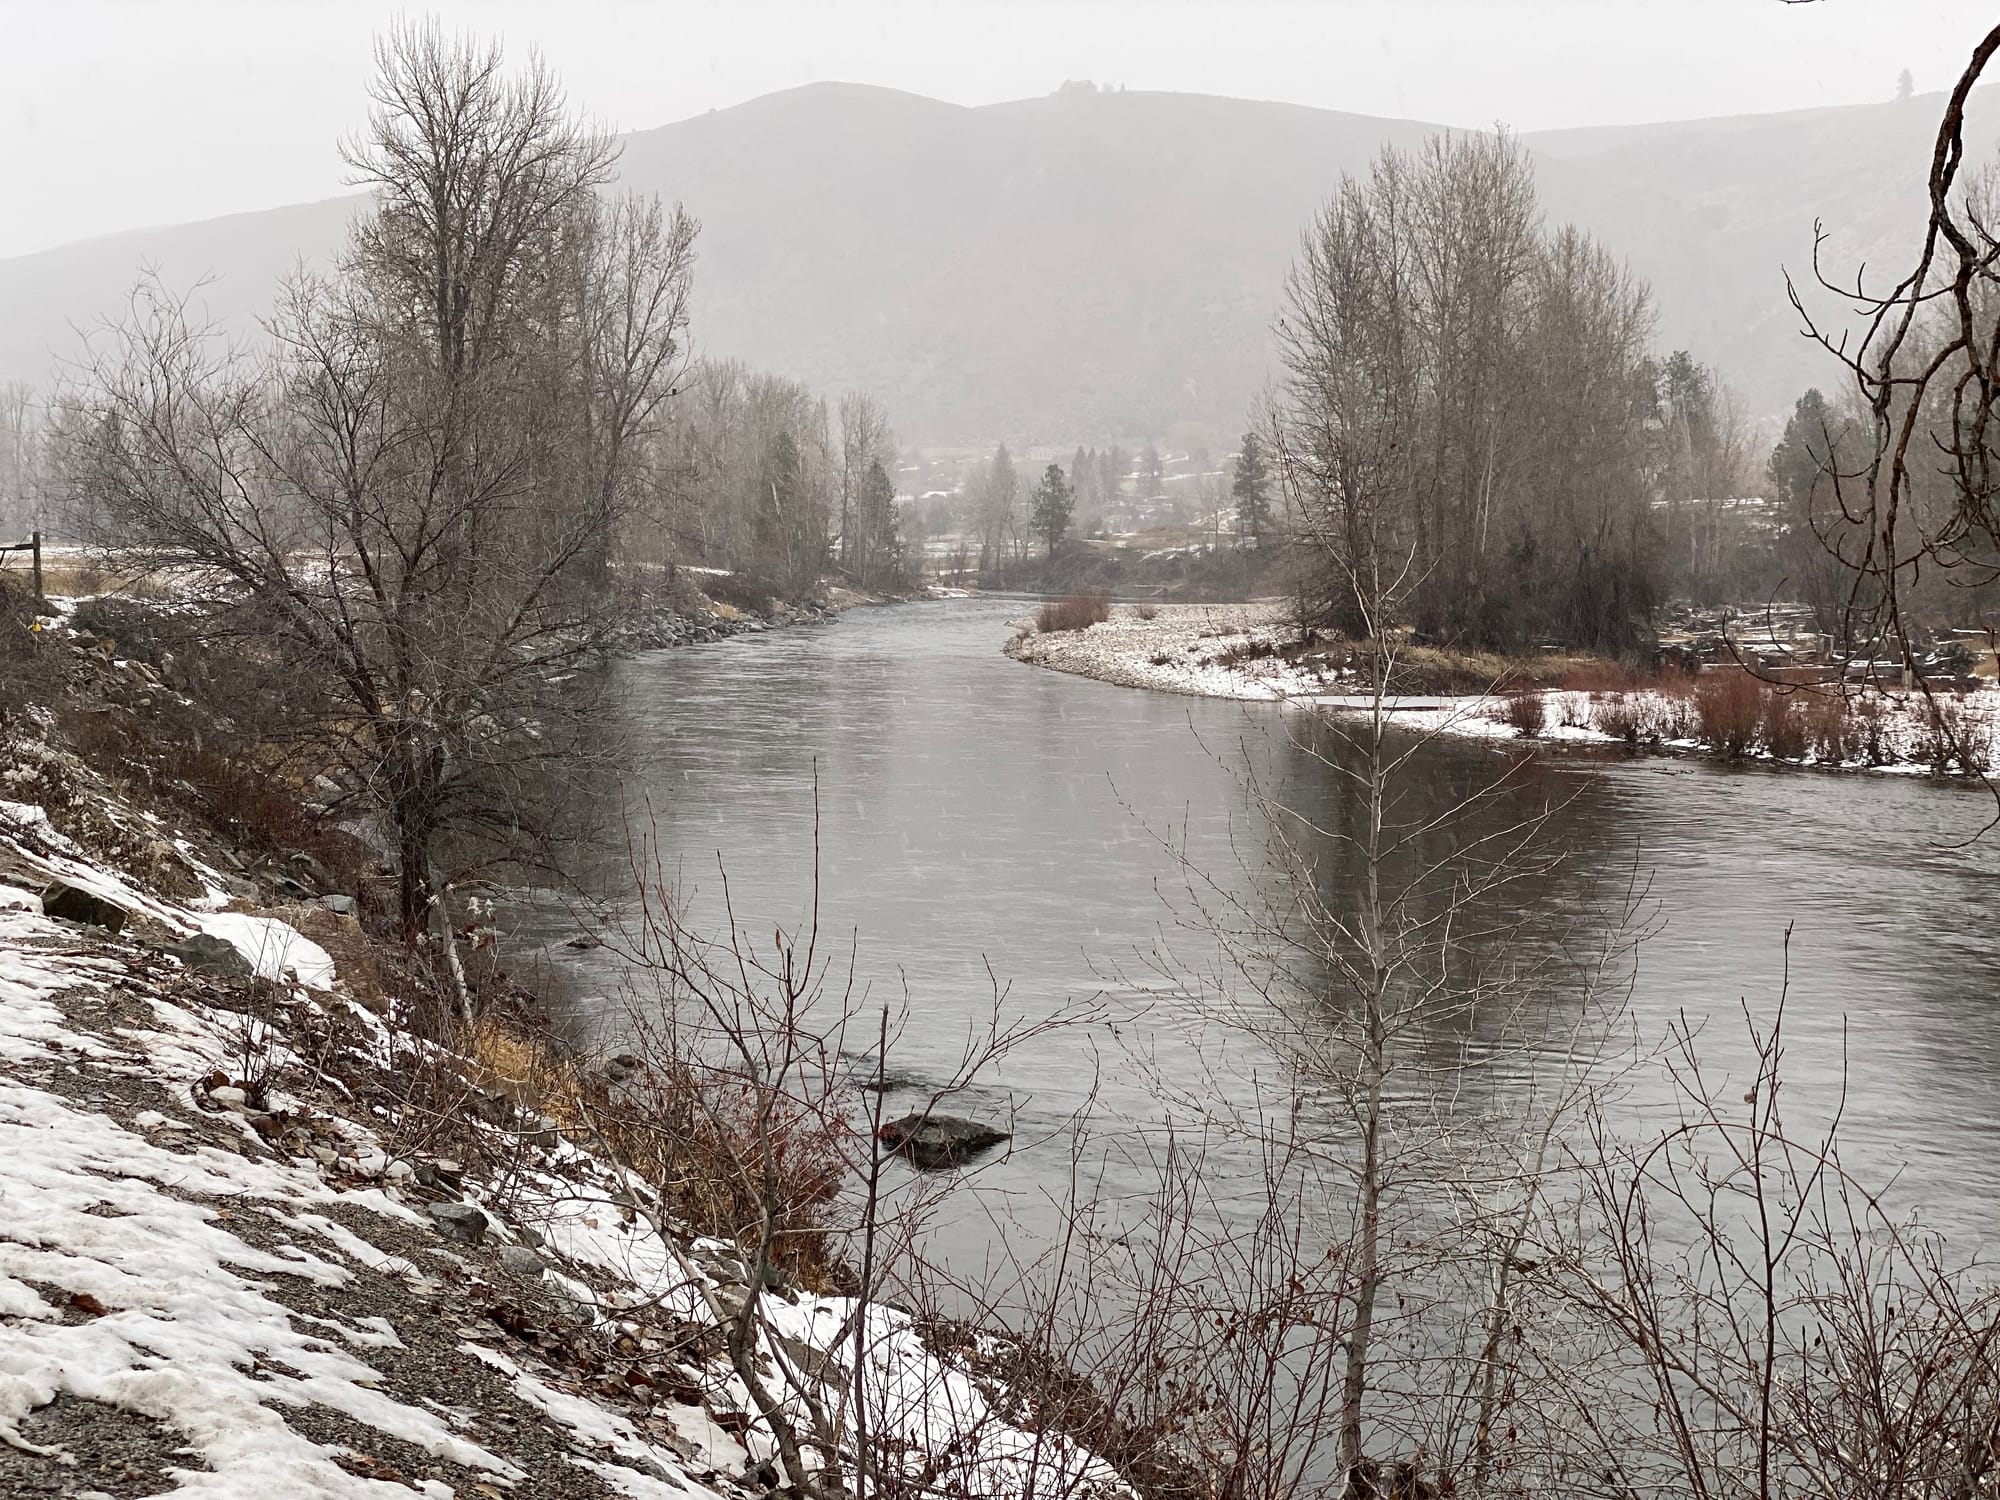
1728	711
1619	717
1874	738
1077	612
1949	738
31	668
1527	713
1242	651
1147	611
1783	725
1831	729
1670	711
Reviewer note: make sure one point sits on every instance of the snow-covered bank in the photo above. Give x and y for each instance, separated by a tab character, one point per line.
1204	650
226	1270
1238	652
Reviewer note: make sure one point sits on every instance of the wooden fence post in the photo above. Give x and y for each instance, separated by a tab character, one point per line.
36	541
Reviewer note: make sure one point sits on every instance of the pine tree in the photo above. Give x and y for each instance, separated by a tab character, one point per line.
1252	489
1149	473
1113	471
881	544
1053	502
1800	459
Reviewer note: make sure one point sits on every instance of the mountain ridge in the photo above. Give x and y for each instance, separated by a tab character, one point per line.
1096	265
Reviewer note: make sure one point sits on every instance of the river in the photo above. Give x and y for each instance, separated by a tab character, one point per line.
983	821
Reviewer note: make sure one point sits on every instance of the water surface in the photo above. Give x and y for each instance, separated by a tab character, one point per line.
981	821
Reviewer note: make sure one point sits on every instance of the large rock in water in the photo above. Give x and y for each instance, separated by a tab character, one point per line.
74	904
932	1141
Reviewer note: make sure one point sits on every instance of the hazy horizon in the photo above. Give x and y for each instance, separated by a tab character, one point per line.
124	116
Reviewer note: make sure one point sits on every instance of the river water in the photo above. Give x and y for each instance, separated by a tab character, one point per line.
982	822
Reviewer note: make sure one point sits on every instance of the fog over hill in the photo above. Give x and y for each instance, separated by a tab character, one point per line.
1088	266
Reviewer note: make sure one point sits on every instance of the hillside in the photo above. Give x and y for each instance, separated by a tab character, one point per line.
1093	266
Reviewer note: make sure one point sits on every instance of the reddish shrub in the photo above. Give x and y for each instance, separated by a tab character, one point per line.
1783	725
1833	731
1728	711
1077	612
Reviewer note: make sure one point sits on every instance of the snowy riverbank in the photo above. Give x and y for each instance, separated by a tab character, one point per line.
228	1265
1240	651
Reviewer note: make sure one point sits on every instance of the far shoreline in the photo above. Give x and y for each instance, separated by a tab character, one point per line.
1238	652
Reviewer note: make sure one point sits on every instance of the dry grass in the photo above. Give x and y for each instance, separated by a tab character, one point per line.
1077	612
692	1131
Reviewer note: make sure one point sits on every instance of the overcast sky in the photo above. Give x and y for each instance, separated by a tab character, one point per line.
118	115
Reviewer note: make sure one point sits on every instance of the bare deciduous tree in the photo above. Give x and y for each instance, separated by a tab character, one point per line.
1462	392
418	487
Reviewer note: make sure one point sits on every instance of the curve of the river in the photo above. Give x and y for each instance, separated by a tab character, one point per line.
977	814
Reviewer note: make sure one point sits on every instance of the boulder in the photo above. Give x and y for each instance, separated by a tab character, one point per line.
933	1141
74	904
341	906
207	954
464	1222
518	1260
621	1069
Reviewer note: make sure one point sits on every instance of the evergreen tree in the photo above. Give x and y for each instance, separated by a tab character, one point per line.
1053	502
882	560
1080	471
1800	459
1149	473
1252	489
778	503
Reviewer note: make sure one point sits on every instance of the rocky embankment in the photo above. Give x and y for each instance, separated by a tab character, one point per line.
260	1238
230	1264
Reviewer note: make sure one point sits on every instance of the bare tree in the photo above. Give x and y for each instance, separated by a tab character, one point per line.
1917	494
418	489
1462	391
20	457
866	441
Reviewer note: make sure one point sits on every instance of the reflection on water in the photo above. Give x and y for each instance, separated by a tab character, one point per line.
982	820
